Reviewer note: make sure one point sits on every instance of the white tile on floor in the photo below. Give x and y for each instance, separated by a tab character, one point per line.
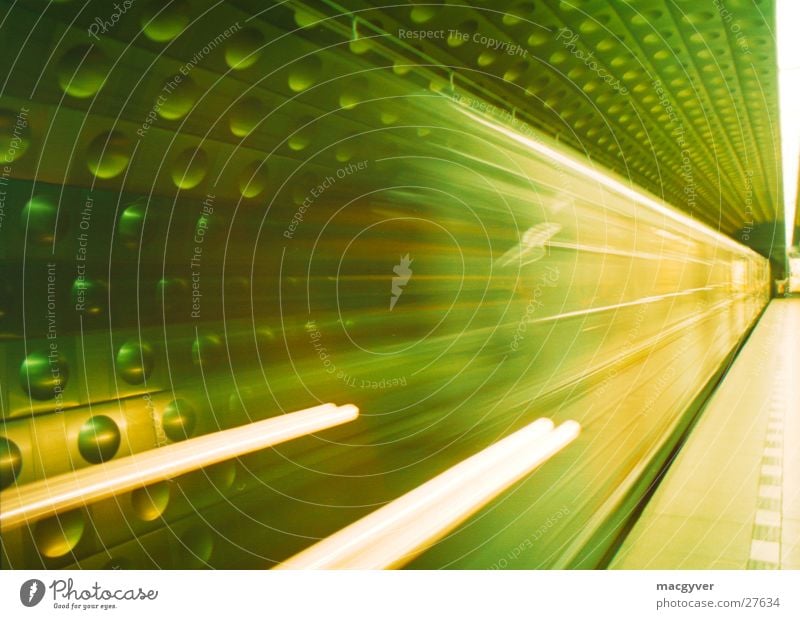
768	518
769	552
772	470
769	492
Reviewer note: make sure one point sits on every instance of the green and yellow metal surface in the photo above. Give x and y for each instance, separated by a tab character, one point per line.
459	217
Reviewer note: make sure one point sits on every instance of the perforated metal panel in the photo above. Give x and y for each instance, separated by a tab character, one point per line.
159	169
680	96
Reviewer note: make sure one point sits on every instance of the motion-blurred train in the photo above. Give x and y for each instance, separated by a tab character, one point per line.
337	232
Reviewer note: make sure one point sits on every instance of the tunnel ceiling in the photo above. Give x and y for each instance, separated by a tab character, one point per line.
678	95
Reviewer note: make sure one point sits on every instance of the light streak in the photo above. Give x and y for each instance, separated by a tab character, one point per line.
22	504
398	531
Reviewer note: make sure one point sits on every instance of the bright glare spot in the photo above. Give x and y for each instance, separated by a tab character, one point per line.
794	270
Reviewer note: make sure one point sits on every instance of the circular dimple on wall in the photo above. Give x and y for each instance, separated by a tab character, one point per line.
304	19
39	216
304	73
207	350
425	12
243	50
108	154
99	439
468	27
589	26
222	475
253	179
267	342
607	45
10	462
42	376
237	407
170	291
135	362
179	420
163	22
150	502
301	138
401	67
131	224
539	38
56	536
388	116
486	58
197	545
698	17
354	92
519	14
89	296
180	101
299	189
245	116
516	71
189	168
360	45
345	151
82	71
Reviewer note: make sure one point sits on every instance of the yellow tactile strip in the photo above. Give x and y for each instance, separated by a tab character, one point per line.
765	548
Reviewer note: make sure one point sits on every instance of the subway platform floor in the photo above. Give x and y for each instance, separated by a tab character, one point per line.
731	498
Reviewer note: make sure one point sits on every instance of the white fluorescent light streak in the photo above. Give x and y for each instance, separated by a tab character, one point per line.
609	182
787	19
395	533
19	505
